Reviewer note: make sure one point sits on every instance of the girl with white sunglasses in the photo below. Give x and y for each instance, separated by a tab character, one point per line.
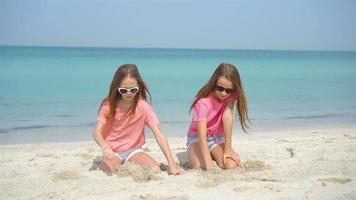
123	114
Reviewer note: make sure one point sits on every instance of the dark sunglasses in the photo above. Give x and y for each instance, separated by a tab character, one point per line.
221	89
132	90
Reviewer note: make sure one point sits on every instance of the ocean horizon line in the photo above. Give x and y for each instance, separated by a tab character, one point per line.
176	48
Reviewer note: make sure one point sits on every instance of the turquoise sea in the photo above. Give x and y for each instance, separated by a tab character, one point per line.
53	94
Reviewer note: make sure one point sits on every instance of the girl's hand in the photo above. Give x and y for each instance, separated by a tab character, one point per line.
174	170
231	155
108	153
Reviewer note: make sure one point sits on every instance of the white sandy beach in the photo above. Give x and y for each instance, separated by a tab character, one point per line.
308	164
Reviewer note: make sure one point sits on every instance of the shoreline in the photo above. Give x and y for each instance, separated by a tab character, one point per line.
80	134
313	164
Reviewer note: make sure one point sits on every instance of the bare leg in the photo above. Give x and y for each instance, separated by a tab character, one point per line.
195	156
110	165
144	159
217	154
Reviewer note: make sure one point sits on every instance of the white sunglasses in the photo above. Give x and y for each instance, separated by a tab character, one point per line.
132	90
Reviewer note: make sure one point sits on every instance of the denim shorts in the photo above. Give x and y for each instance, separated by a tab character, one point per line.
126	155
213	140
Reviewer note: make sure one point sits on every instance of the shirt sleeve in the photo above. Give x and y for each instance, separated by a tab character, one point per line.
151	118
103	114
200	112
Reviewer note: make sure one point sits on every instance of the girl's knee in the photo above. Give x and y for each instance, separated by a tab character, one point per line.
107	165
230	165
220	165
155	168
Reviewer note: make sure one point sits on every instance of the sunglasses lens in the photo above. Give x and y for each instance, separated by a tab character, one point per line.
228	91
134	90
219	88
123	91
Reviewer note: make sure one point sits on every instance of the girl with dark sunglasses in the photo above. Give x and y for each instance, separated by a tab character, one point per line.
209	135
123	114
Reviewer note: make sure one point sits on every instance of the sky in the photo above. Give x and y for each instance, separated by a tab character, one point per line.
201	24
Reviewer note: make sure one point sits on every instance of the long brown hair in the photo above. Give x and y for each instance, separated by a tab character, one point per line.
231	73
124	71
